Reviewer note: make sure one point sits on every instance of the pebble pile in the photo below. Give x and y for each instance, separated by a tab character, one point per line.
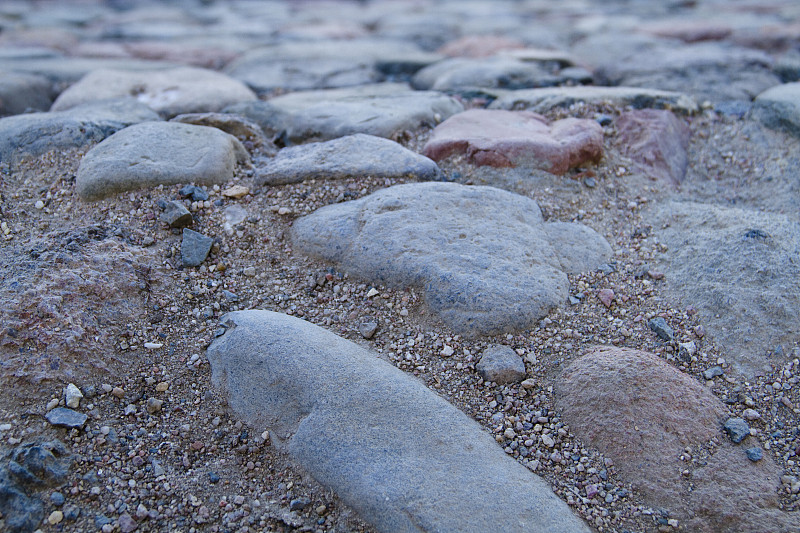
405	265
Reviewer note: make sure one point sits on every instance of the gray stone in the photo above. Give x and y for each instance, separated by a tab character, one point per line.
356	155
737	429
754	454
368	329
779	108
400	455
484	259
195	247
383	110
63	70
738	268
176	215
501	364
155	153
61	416
713	372
661	328
494	72
31	135
20	93
546	99
243	129
169	92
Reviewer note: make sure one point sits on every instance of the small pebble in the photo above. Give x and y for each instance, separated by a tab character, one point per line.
55	518
754	454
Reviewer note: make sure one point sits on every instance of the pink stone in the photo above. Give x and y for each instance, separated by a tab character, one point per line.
591	491
501	138
606	296
657	141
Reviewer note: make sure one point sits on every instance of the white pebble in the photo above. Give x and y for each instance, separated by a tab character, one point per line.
153	345
39	204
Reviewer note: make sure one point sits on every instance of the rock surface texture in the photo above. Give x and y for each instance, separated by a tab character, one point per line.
422	465
480	274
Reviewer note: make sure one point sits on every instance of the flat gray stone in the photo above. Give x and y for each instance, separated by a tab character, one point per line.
169	92
353	155
739	269
30	135
382	110
195	247
63	70
405	459
484	259
20	93
501	364
64	417
155	153
494	72
545	99
176	215
779	108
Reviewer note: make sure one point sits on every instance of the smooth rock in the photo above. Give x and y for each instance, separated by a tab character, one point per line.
737	429
643	413
516	138
195	247
400	455
657	141
62	70
383	110
546	99
661	328
21	93
176	215
168	92
495	72
480	272
31	135
779	108
738	268
242	128
479	46
156	153
356	155
501	364
61	416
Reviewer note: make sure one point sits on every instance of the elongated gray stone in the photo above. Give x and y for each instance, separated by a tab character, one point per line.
401	456
61	416
154	153
353	155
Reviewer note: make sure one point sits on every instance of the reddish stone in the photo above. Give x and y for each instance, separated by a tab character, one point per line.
657	141
479	46
210	57
516	138
606	296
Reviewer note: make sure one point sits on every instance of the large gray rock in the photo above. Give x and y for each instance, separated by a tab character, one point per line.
484	258
545	99
382	110
779	108
20	92
64	70
353	155
30	135
495	72
401	456
155	153
169	92
739	269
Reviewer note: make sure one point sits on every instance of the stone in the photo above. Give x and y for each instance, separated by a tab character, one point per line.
168	92
368	329
127	523
480	273
62	70
61	416
496	72
195	247
737	267
398	454
21	512
479	46
754	454
501	364
737	429
351	156
21	93
242	128
72	396
661	328
657	141
546	99
713	372
779	108
158	153
176	215
304	65
383	110
642	413
31	135
517	138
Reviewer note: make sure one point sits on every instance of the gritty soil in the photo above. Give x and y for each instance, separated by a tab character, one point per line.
96	282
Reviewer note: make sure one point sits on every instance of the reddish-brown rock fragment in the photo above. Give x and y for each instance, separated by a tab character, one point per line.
657	141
